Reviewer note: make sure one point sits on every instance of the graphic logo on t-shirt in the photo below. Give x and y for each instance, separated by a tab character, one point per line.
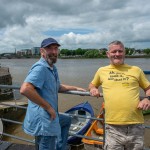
118	76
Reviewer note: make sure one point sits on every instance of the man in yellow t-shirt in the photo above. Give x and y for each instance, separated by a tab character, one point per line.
121	85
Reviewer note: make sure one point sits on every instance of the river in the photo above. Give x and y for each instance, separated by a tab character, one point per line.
77	72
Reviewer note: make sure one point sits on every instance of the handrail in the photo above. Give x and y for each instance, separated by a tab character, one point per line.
9	87
81	93
16	122
13	105
146	126
71	134
66	92
19	138
72	115
12	121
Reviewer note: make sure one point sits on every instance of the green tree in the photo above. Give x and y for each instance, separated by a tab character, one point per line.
92	54
147	51
129	51
65	52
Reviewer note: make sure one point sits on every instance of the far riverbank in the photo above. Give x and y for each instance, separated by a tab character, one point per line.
71	57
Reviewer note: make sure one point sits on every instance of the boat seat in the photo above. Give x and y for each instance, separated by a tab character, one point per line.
99	131
77	125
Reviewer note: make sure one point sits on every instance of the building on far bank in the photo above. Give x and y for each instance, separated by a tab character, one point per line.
29	52
35	50
24	52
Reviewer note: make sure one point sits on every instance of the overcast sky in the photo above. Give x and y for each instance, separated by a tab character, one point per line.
74	23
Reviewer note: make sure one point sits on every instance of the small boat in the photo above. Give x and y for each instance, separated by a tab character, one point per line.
79	125
96	130
146	72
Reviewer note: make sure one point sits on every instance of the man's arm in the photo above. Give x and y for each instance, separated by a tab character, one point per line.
94	90
28	90
64	88
145	103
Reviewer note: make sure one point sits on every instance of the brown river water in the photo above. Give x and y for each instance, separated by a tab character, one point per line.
78	72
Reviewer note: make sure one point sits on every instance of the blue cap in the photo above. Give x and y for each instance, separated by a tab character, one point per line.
49	41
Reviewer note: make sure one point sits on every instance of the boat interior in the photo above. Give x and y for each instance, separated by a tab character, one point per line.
78	123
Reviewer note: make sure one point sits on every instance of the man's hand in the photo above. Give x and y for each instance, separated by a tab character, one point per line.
94	92
144	104
52	113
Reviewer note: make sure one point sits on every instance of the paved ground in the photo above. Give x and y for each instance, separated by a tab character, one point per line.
4	145
11	146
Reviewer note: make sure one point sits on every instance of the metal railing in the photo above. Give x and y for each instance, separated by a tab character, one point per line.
72	115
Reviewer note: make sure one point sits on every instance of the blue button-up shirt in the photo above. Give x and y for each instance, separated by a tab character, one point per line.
46	81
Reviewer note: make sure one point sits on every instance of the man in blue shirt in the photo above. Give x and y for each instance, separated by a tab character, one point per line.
41	87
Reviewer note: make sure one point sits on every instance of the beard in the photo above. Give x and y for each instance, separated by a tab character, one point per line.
51	59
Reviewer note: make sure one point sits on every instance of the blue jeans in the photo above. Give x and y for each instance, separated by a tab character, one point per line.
45	142
65	122
49	142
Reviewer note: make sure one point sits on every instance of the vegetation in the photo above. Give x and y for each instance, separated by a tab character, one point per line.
77	52
82	53
147	51
101	53
129	51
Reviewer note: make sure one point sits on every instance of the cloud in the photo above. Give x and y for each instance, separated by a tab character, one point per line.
78	24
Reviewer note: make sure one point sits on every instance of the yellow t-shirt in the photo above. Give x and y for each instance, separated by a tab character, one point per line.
121	88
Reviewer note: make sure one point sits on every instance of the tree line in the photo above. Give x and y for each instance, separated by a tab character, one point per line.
83	53
99	53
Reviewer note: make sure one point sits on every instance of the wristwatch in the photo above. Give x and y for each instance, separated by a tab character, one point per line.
148	97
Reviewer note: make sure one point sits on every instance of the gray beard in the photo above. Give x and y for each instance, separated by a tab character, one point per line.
50	61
